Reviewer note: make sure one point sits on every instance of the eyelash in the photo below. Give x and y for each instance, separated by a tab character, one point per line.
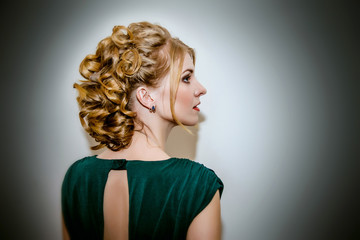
185	79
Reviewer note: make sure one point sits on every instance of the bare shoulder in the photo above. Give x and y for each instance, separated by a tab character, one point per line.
207	224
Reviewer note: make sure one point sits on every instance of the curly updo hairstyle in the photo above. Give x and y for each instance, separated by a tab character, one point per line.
140	54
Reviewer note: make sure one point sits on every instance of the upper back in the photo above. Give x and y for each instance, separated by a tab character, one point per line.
164	196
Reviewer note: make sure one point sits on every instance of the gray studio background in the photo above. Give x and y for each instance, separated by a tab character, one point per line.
279	122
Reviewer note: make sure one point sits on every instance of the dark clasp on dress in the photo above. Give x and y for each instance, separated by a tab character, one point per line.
119	165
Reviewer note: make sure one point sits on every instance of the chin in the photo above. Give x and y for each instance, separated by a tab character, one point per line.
189	122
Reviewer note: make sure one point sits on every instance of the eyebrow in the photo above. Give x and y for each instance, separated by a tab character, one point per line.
189	69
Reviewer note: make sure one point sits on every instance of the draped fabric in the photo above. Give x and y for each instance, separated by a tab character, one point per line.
164	196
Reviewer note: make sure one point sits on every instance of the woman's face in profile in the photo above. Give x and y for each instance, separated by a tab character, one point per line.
187	98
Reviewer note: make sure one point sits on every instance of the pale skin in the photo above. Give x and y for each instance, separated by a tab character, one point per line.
148	145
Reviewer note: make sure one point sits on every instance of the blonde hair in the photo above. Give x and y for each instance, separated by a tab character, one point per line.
140	54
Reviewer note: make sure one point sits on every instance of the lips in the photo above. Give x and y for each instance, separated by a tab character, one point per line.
196	108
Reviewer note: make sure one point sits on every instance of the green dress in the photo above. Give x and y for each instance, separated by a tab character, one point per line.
164	196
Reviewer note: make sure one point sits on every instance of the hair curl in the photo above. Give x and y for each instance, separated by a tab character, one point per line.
139	54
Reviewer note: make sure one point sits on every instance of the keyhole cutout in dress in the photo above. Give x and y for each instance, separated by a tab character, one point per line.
116	206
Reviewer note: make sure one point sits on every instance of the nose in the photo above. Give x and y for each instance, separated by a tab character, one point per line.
200	90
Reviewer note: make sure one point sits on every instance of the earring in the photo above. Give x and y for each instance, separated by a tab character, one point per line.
152	109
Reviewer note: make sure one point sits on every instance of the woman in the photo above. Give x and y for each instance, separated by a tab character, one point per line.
138	85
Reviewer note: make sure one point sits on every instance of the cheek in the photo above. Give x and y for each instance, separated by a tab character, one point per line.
184	99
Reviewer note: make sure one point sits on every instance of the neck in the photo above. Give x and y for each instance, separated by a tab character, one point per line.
156	133
146	144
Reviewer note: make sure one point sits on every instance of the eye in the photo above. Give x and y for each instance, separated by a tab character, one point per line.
186	79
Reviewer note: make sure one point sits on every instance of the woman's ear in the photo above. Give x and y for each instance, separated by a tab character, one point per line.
144	98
